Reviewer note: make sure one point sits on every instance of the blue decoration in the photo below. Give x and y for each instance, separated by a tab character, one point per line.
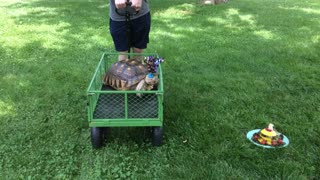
150	75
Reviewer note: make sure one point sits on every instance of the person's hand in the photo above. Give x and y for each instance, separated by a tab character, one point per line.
136	4
120	4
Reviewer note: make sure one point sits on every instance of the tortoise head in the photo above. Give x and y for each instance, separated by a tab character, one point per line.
147	83
151	79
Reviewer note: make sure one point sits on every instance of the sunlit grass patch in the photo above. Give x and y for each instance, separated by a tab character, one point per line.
307	10
177	12
6	109
265	34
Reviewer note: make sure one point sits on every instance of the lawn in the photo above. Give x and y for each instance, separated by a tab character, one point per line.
229	69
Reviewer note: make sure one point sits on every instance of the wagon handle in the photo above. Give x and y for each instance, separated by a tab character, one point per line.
127	11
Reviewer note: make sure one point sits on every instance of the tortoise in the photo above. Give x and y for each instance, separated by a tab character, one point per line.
129	74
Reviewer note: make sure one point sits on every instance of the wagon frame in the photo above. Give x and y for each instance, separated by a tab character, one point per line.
117	108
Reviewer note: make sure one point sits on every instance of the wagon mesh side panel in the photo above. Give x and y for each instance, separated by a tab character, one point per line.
110	106
142	107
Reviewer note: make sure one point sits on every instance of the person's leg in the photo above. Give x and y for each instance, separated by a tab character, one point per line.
122	55
118	30
139	33
141	29
137	50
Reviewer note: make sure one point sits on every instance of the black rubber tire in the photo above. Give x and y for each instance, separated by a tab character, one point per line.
106	134
157	136
96	137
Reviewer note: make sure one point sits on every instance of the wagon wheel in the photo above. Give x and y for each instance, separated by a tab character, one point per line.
96	137
106	134
157	133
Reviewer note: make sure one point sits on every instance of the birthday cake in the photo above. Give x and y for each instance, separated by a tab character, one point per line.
268	136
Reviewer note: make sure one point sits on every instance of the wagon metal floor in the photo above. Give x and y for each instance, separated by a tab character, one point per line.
112	106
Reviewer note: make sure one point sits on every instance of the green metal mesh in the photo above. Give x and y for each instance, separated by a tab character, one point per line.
112	106
142	107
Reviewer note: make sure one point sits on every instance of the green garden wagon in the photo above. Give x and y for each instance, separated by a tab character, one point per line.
113	108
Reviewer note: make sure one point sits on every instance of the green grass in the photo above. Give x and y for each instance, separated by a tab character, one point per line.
229	69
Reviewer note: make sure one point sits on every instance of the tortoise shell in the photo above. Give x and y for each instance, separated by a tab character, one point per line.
125	74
